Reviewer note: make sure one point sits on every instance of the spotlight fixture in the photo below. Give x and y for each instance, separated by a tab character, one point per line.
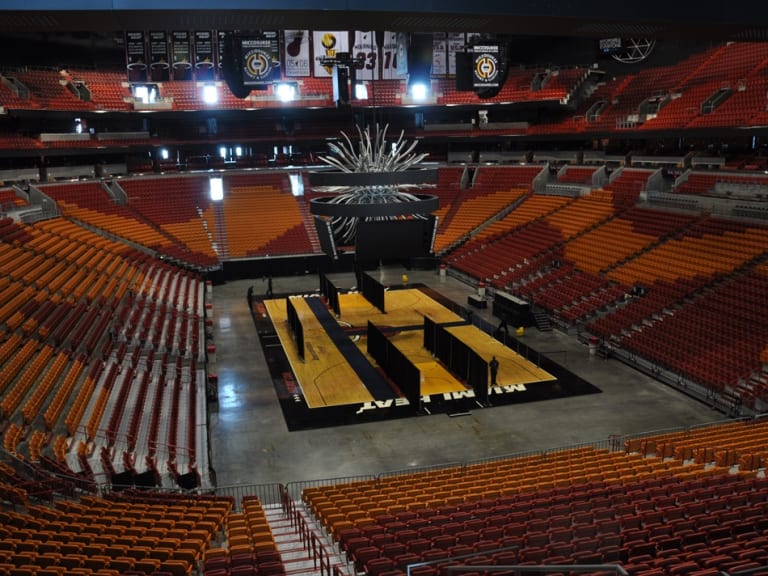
285	91
419	91
210	94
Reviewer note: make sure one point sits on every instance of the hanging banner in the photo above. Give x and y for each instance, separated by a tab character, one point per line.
296	53
221	37
439	54
136	55
376	62
204	56
402	54
327	45
390	57
260	58
181	53
158	52
456	42
485	67
365	52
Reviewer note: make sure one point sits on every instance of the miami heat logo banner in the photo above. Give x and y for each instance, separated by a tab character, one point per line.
486	66
261	59
296	53
327	45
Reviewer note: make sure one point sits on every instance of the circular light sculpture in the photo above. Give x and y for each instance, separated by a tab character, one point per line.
372	180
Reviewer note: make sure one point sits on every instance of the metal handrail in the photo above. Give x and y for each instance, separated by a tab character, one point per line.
551	568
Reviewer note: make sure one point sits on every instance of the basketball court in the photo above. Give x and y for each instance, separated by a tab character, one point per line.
331	384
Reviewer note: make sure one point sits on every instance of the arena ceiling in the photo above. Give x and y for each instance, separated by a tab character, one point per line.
705	19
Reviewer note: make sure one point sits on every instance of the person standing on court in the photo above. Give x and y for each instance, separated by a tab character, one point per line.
494	366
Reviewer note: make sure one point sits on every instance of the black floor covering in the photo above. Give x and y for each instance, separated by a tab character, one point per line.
298	416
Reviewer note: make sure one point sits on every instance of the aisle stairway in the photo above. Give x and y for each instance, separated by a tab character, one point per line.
297	557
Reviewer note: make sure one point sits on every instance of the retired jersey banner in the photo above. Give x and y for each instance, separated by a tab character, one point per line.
485	66
296	53
261	58
376	62
456	42
365	52
327	45
439	54
390	57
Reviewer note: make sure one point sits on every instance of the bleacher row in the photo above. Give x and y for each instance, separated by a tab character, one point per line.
102	354
175	216
682	89
688	502
110	91
692	502
577	258
580	259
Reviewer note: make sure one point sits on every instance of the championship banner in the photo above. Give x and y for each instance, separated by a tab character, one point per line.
260	58
136	55
158	54
181	55
204	54
327	45
485	66
296	53
439	54
456	42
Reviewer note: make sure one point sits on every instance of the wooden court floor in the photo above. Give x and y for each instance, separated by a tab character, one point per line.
327	379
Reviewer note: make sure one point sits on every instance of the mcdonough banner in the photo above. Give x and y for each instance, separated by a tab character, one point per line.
485	70
261	58
296	57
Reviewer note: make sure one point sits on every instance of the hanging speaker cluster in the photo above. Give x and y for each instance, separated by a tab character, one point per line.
231	60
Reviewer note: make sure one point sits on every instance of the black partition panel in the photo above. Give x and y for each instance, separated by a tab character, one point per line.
333	297
459	359
478	376
430	334
377	344
294	323
395	364
372	290
323	283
